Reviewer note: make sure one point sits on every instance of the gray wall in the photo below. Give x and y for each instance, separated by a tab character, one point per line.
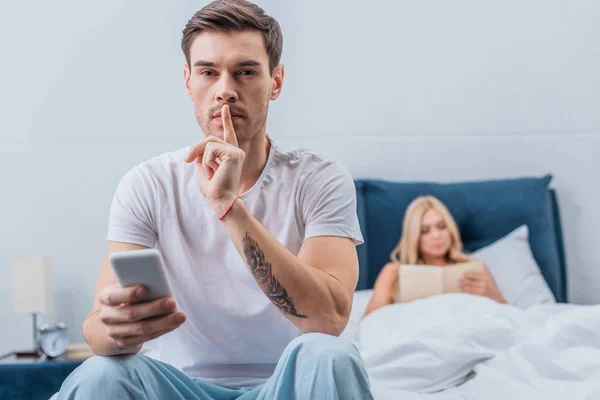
395	89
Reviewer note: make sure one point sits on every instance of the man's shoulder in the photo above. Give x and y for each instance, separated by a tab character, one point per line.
168	161
160	170
168	165
304	161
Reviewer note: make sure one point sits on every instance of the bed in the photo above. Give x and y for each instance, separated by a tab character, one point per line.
458	346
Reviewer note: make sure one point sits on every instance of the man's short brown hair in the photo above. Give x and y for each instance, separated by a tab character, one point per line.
234	15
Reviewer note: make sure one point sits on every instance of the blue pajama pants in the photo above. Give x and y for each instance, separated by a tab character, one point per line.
313	366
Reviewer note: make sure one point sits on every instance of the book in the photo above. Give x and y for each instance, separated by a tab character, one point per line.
421	281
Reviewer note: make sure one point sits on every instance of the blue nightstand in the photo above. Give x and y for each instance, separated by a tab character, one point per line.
32	379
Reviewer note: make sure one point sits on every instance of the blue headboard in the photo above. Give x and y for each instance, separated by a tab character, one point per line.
485	211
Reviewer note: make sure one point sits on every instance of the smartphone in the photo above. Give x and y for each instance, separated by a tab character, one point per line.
145	267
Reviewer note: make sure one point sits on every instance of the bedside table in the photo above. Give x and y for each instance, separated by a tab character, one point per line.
32	378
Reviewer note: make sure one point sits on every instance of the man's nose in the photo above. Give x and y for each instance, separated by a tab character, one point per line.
226	92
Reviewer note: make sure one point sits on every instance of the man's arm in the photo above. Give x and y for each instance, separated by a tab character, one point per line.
313	290
118	322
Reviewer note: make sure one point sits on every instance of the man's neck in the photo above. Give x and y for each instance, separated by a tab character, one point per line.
257	153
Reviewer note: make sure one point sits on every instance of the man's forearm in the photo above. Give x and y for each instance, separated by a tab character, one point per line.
312	299
95	335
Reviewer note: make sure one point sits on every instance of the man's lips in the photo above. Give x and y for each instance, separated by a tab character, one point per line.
233	114
219	119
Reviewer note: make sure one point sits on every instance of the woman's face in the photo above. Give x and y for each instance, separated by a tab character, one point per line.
435	238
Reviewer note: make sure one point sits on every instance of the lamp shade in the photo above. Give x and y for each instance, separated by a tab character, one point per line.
32	285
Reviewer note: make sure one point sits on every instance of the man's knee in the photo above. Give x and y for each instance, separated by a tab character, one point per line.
106	367
322	348
101	375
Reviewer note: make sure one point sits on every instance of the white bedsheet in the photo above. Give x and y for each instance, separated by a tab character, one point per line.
458	346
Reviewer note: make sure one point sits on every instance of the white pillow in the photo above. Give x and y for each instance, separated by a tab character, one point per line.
515	271
359	306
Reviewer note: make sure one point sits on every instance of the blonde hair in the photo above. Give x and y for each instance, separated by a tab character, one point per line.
407	249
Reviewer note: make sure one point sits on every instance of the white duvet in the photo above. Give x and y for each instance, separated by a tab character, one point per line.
458	346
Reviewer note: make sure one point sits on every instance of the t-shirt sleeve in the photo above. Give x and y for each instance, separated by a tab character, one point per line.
328	204
133	211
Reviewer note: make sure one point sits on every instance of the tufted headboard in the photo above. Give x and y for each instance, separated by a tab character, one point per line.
485	211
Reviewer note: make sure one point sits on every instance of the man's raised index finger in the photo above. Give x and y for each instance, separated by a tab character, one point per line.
228	131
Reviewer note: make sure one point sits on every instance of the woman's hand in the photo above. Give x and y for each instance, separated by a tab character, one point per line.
480	284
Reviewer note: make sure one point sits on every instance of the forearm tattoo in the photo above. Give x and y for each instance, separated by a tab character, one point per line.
261	269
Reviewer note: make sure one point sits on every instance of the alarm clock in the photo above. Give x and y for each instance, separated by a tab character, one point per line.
53	340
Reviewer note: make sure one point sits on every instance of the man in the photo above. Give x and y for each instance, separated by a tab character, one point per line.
259	245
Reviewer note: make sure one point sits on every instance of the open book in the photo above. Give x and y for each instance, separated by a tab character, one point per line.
420	281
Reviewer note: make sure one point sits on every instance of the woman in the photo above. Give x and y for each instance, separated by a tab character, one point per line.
430	237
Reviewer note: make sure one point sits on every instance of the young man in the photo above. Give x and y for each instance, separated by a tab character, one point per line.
259	244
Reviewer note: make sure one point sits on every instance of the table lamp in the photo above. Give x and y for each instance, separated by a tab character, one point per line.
32	289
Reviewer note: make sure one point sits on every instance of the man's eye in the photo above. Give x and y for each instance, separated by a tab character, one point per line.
246	72
207	73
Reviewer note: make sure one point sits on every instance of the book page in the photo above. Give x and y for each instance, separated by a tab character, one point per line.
452	274
419	282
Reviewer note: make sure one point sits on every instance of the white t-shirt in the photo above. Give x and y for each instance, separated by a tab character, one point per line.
233	335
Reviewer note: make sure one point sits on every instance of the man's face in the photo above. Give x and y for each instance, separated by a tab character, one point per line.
231	68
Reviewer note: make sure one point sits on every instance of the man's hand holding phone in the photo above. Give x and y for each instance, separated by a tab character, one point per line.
130	319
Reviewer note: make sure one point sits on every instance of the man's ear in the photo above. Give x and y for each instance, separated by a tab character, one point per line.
277	82
186	77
